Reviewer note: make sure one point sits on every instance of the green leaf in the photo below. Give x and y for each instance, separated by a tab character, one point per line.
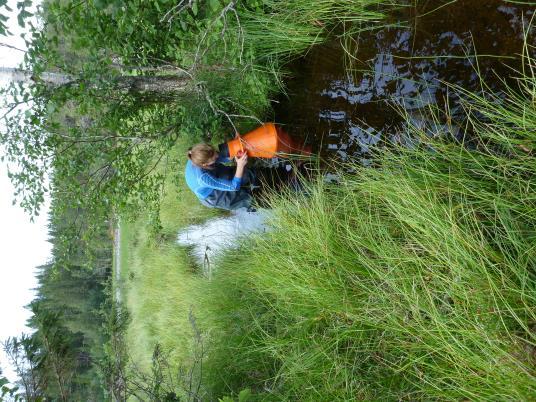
214	5
195	8
20	20
100	4
22	16
244	395
5	390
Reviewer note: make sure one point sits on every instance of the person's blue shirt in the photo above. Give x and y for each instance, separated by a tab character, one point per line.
203	181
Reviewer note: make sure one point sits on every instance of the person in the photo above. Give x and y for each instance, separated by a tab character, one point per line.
217	185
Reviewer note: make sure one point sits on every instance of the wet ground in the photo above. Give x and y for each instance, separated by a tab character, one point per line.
342	97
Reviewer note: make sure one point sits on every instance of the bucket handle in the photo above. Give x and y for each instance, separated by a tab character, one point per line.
240	141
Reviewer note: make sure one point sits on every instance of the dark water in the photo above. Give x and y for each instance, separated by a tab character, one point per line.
343	105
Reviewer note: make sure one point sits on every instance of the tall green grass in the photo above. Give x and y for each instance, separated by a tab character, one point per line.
283	28
415	280
160	281
412	281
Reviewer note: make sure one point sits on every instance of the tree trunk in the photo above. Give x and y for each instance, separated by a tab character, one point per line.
159	84
155	84
18	75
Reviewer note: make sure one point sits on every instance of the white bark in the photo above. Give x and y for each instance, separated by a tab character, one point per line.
19	75
155	84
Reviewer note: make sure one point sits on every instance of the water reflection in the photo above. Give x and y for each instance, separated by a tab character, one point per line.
347	108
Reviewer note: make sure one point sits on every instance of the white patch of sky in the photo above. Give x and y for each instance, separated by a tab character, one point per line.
23	244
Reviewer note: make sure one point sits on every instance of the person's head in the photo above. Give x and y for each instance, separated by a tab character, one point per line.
203	155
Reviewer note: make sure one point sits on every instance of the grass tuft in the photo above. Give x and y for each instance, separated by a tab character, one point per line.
288	28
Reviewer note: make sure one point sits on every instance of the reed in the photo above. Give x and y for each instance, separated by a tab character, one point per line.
288	28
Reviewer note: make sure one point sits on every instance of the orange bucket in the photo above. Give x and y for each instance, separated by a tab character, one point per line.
267	141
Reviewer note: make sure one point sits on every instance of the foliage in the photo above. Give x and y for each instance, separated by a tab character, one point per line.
289	28
6	391
59	359
109	99
3	27
412	281
155	270
22	15
243	396
24	355
164	381
56	361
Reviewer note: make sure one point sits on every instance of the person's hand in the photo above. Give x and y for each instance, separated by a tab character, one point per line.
241	160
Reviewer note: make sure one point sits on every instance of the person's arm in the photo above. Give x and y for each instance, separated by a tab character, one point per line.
218	183
241	162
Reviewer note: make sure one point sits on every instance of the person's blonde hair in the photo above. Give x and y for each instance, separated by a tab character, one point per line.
200	154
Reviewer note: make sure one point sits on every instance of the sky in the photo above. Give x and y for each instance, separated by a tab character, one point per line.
23	244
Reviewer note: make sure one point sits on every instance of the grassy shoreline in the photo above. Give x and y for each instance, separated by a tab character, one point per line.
414	281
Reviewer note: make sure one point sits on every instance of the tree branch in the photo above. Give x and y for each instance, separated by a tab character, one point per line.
176	10
12	47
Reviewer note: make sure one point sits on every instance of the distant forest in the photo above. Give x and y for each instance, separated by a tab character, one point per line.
61	359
